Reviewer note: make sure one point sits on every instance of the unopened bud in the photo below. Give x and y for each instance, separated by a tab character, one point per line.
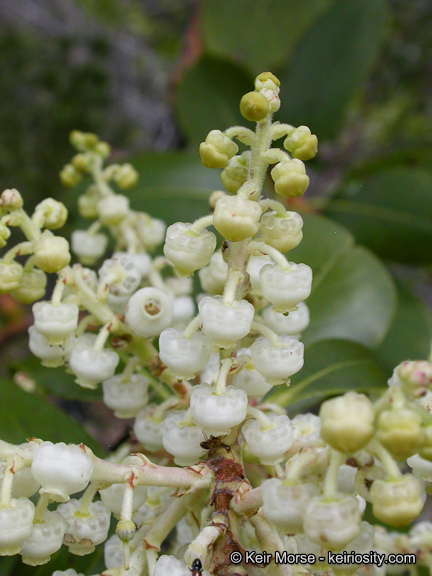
113	209
236	218
11	198
10	275
302	144
254	106
51	252
268	81
70	176
217	149
4	235
83	162
290	178
126	176
125	530
54	213
214	197
31	287
400	431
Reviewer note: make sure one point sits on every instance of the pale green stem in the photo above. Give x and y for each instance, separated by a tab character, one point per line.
256	414
281	130
23	248
278	207
223	373
192	327
386	459
102	337
30	230
279	471
267	332
6	484
265	249
58	291
28	266
233	279
85	322
158	414
129	369
101	184
201	223
90	302
127	504
330	481
275	155
94	228
261	144
242	134
87	497
41	506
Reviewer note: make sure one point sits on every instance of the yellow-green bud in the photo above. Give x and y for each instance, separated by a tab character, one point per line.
397	501
126	176
290	178
235	174
10	274
11	199
125	530
302	144
70	176
400	432
254	106
113	209
426	450
214	197
51	252
31	287
103	149
347	422
415	377
268	81
4	235
87	204
217	149
83	162
54	213
90	140
236	218
77	139
283	232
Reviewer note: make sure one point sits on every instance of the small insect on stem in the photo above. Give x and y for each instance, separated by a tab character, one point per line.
213	443
196	568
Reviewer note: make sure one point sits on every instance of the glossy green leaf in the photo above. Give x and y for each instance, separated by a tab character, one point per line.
24	415
390	212
331	64
208	98
173	186
269	29
332	367
353	295
410	334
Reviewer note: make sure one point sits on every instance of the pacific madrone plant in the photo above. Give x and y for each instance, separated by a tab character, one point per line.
215	468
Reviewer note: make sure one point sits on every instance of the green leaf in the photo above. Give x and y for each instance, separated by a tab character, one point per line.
331	64
410	334
209	96
332	367
24	415
390	212
269	29
173	186
353	296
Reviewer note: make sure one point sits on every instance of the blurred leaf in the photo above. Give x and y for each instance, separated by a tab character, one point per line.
63	560
332	367
353	295
390	212
58	382
331	63
24	415
209	96
410	335
173	186
7	566
269	29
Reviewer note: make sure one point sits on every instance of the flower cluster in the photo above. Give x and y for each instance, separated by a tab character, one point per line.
297	484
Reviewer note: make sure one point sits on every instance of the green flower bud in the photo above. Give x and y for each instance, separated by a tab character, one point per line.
31	287
426	450
235	174
77	139
83	162
70	176
400	432
125	530
87	204
10	274
51	252
347	422
397	501
415	377
290	178
254	106
236	218
113	209
217	149
268	81
126	176
302	144
54	213
11	198
103	149
4	235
